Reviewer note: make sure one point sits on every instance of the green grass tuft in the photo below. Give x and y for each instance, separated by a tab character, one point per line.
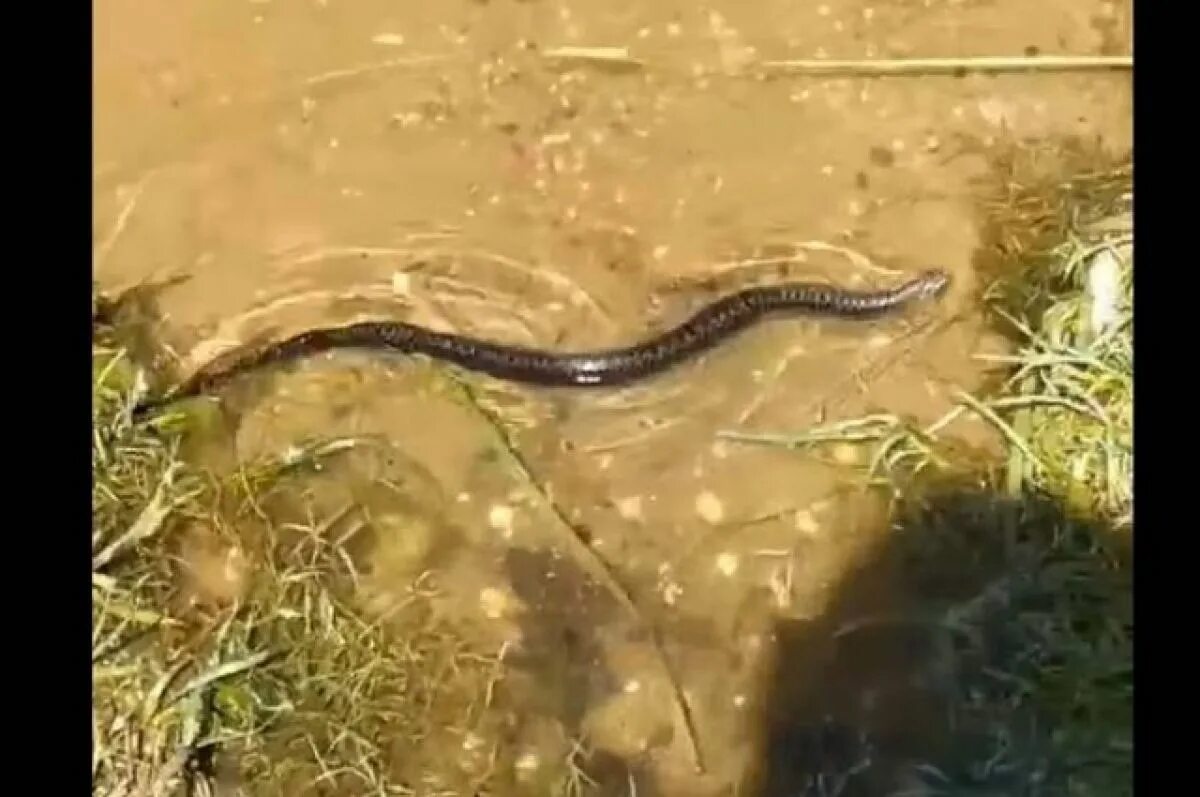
1044	650
284	684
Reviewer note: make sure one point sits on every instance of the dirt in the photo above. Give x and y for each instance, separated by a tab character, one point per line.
309	163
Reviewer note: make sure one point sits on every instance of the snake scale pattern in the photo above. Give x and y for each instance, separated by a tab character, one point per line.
711	325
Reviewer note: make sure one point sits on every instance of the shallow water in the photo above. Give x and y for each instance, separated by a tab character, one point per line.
313	162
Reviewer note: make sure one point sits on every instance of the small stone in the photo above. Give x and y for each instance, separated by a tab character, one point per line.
500	517
845	454
710	508
401	283
494	603
880	340
806	523
727	564
389	39
671	593
527	762
630	508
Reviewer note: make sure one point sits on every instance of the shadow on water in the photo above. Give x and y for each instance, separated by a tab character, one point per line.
559	642
970	654
562	657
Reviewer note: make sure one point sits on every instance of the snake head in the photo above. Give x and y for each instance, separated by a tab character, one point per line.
931	283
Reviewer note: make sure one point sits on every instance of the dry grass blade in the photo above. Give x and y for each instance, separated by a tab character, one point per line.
605	57
153	701
884	67
856	258
346	73
126	212
1009	433
148	523
900	447
225	670
587	556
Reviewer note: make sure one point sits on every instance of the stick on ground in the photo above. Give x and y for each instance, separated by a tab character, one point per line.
884	67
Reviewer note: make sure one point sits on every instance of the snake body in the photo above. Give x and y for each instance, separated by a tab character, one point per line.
711	325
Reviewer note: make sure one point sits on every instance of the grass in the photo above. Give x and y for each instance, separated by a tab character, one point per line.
281	682
1041	648
1044	642
286	684
1065	403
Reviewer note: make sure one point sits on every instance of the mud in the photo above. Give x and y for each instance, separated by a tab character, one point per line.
316	162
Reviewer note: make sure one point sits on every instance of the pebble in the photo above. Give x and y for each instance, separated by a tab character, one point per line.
710	508
879	341
493	602
806	523
390	39
846	454
500	517
630	508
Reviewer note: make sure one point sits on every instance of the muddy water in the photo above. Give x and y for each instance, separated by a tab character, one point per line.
318	161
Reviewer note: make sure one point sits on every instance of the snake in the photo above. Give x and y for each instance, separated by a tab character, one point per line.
711	325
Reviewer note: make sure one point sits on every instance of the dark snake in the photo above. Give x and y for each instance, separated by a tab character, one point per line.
711	325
